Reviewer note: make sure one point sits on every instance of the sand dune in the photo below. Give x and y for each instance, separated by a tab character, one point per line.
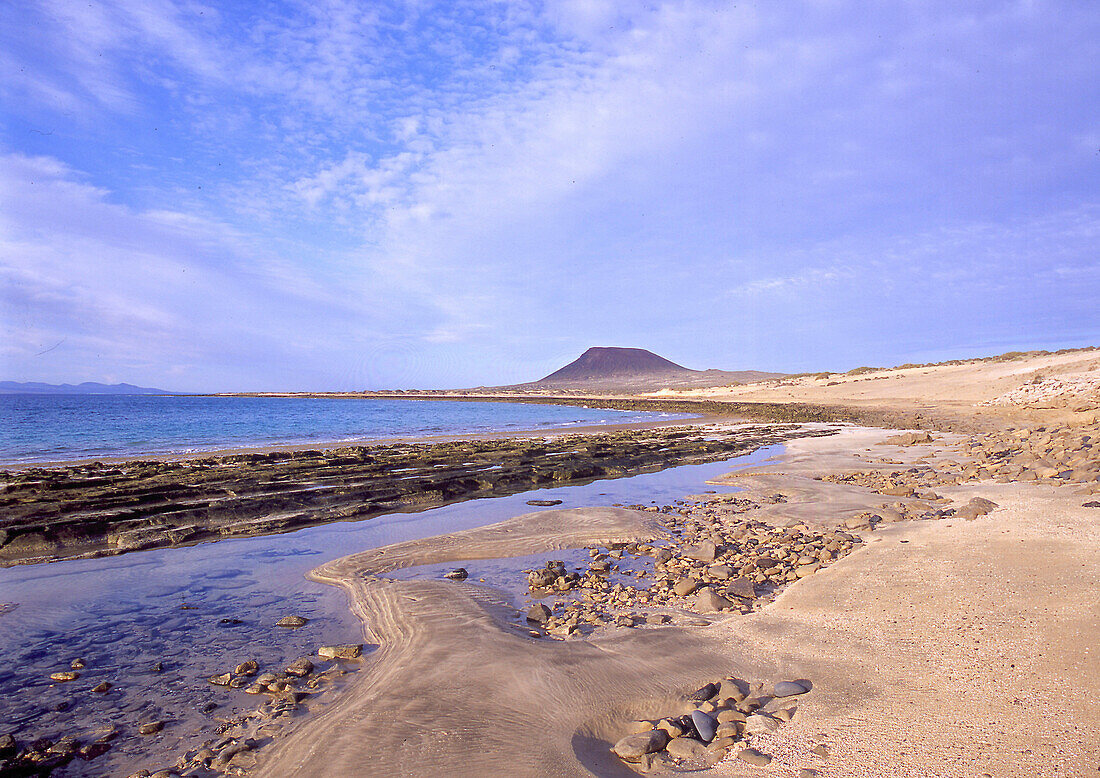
1011	389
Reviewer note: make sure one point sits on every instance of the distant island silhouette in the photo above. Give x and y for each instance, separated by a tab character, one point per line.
88	387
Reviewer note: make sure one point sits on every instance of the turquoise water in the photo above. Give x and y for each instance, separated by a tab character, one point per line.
37	428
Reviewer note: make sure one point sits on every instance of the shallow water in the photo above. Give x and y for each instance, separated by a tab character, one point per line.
122	614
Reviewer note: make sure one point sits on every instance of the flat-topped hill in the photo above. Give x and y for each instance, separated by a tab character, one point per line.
602	362
616	369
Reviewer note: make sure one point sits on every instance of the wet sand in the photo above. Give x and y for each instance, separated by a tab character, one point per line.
942	647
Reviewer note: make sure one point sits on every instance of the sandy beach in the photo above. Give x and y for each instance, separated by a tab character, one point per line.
870	601
550	389
945	644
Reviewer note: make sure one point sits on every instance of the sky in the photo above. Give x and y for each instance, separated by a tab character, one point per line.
338	195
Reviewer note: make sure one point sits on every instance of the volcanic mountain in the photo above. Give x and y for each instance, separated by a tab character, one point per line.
635	370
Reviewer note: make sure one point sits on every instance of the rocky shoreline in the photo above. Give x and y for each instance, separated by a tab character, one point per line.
705	562
661	582
99	509
286	692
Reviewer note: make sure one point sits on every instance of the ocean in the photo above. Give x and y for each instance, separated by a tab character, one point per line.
46	428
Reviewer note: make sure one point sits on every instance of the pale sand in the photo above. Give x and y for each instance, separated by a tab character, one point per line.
958	391
910	647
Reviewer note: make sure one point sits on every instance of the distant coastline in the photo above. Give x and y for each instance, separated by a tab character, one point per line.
87	387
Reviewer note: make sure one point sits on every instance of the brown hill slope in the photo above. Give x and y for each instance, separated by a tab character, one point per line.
602	362
614	369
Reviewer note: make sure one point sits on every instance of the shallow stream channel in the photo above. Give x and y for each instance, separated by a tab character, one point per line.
155	625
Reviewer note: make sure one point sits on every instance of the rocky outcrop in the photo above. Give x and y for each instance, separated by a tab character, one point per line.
98	509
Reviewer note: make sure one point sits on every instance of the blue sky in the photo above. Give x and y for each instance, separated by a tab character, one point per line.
343	195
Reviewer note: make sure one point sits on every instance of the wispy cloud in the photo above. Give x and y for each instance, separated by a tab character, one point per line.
462	183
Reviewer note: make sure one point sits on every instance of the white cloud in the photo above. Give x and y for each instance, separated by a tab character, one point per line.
161	287
480	175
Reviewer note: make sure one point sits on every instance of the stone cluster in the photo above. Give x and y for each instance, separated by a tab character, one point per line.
1055	455
716	718
287	689
1065	456
715	561
42	756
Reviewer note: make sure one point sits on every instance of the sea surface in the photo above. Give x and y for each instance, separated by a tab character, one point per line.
46	428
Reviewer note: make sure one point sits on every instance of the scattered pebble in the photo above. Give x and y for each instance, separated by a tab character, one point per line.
292	622
352	651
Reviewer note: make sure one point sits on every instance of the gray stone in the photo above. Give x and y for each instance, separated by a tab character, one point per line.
300	668
733	688
684	586
790	688
704	693
686	748
633	748
458	574
544	503
978	506
758	724
754	757
538	613
704	552
292	622
708	600
705	725
741	587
